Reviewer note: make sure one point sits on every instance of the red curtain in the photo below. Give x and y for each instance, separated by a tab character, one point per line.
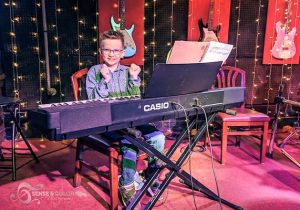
276	10
134	14
200	9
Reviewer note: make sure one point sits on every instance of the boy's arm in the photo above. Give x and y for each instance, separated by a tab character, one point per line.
96	86
134	81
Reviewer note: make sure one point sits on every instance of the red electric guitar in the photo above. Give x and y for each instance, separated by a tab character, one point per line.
207	32
284	47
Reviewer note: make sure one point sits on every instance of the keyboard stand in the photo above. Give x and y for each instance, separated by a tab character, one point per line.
12	106
174	168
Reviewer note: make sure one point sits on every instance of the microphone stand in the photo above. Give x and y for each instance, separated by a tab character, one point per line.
278	102
281	100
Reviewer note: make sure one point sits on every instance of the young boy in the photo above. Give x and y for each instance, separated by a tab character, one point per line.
111	79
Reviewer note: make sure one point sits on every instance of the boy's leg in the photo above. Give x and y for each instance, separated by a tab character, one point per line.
128	166
156	139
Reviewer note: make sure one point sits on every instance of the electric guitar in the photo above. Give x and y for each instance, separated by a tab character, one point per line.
207	32
130	47
284	47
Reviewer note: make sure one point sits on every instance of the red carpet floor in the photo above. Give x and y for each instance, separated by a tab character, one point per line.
243	181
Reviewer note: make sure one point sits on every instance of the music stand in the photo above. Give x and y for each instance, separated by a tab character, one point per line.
12	106
178	79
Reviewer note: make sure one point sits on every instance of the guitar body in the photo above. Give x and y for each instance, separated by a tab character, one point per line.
130	47
207	35
284	47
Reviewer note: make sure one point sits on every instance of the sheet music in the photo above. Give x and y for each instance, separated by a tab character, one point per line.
195	52
216	51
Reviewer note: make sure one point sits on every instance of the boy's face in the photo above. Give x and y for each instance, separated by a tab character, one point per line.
112	51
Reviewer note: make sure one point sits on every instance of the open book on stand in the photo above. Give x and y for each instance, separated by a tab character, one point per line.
198	52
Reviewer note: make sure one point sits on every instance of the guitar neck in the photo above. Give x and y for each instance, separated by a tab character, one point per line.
122	14
287	16
211	15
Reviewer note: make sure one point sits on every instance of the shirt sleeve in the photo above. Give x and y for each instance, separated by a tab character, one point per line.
134	82
96	87
134	86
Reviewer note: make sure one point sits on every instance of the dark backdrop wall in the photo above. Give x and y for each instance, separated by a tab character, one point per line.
73	39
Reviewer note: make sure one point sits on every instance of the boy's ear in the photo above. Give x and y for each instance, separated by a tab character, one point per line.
122	53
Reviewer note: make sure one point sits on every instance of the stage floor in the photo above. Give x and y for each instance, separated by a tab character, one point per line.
242	181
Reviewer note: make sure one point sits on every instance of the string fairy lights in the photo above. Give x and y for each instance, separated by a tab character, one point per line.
145	49
169	44
237	34
95	27
57	52
290	67
269	75
153	35
191	15
14	48
79	38
254	85
36	36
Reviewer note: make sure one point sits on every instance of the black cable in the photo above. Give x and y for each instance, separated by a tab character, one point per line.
211	156
190	152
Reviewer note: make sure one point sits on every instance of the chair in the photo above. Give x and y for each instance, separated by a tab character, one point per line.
100	144
246	122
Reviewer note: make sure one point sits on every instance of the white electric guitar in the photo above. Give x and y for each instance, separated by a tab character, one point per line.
284	47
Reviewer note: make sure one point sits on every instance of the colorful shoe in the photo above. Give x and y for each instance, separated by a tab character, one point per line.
126	193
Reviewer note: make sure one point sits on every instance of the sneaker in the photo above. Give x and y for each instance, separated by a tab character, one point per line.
138	181
126	193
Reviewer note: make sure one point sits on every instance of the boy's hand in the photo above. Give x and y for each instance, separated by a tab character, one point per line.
134	71
105	73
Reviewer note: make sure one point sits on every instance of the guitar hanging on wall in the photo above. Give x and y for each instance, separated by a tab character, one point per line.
284	47
130	47
207	32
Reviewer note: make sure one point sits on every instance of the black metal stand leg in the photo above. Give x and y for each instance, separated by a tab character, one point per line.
175	169
274	130
13	144
285	141
16	124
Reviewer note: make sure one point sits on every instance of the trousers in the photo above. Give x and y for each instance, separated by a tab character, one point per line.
129	152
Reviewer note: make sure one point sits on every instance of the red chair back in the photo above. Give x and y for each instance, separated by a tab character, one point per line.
78	76
230	76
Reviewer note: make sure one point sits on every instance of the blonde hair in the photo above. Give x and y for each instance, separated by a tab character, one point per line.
112	35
